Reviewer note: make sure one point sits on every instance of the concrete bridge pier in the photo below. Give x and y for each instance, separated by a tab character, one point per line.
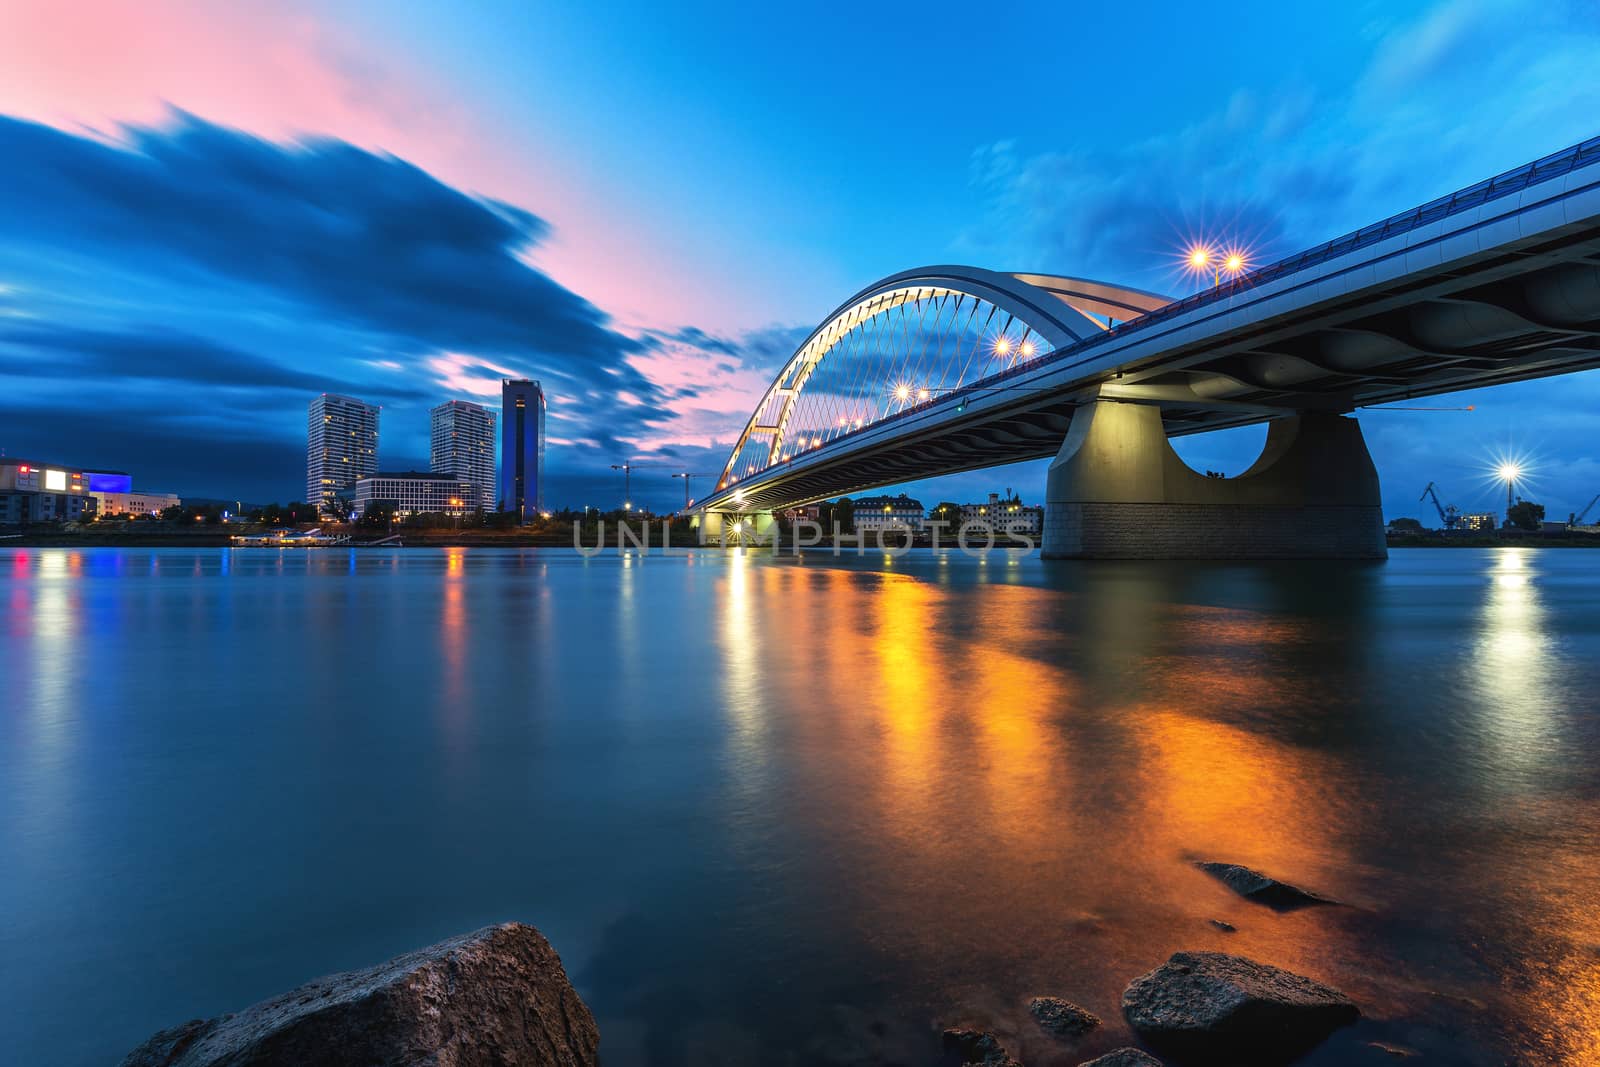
730	527
1117	490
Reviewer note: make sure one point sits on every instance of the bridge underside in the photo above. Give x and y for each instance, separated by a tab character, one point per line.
1474	328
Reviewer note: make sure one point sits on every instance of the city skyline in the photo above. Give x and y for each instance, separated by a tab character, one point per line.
655	326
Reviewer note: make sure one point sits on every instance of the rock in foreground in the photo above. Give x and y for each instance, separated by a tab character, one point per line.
1253	885
1062	1017
498	997
1212	1007
1124	1057
978	1047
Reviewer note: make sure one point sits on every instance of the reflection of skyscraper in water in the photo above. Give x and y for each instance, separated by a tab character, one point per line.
521	447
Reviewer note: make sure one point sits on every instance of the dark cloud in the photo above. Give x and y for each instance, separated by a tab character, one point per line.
51	350
361	239
698	338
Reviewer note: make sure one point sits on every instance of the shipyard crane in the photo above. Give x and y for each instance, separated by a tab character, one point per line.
1449	514
1577	520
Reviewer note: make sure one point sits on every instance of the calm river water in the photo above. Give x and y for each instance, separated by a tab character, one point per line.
789	813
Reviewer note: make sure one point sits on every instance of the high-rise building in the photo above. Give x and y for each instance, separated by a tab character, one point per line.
341	446
463	447
521	447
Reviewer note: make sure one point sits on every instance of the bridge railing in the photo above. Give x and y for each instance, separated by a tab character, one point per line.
1540	170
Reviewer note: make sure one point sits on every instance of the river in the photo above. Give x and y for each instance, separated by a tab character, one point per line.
790	812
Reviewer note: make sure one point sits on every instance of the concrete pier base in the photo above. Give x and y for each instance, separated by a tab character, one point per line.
1117	490
734	528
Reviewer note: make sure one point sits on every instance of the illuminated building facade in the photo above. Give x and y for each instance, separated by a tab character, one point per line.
43	492
521	447
1005	514
132	502
888	512
341	446
415	493
462	446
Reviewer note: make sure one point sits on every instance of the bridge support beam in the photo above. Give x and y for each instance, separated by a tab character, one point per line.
730	528
1117	490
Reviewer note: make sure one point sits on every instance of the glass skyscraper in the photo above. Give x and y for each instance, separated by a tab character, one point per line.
521	447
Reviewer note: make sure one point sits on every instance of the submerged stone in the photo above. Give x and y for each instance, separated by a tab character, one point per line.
1214	1007
1253	885
493	998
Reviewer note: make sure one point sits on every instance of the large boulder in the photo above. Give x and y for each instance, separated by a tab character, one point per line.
498	997
1212	1007
1253	885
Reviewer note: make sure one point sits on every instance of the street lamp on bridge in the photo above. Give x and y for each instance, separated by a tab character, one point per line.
1202	257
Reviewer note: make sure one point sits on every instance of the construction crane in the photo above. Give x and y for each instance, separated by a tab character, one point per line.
686	475
1449	514
1577	520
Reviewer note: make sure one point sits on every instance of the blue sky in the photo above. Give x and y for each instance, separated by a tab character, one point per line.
209	213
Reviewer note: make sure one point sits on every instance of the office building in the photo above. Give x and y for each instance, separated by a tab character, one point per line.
521	447
341	446
415	493
463	447
131	502
43	492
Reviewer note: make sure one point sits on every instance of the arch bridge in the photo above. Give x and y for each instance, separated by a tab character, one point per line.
949	368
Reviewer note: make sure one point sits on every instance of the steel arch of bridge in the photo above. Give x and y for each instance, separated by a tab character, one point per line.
913	336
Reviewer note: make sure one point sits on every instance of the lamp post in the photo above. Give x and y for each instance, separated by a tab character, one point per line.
1510	472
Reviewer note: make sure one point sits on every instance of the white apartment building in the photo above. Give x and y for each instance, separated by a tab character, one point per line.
462	446
341	446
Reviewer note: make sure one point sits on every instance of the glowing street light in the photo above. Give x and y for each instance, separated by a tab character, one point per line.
1201	258
902	392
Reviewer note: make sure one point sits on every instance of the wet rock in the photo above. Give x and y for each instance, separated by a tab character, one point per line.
1212	1007
1124	1057
1394	1050
1253	885
1062	1017
1226	928
978	1047
498	996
